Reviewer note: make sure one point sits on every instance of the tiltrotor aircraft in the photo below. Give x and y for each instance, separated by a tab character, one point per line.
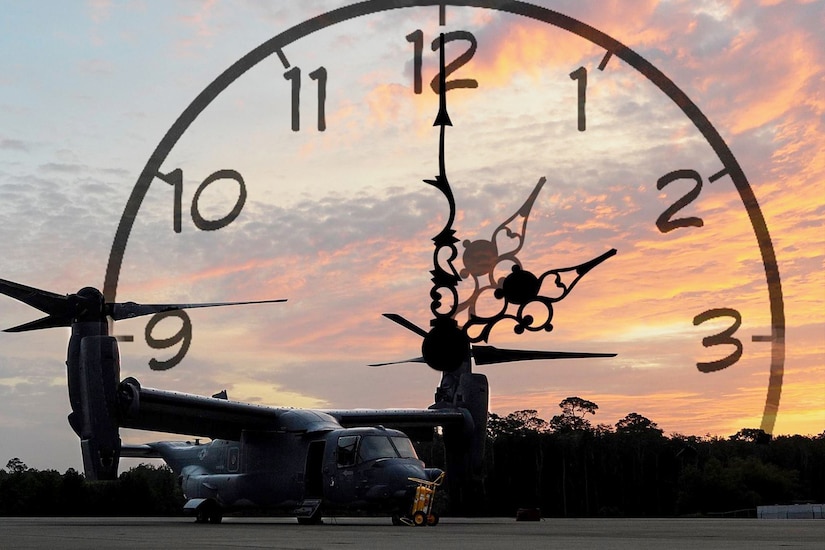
291	461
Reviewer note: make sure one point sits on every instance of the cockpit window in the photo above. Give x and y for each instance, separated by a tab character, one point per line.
346	450
375	446
405	447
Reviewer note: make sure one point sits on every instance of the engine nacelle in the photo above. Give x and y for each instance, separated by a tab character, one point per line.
93	372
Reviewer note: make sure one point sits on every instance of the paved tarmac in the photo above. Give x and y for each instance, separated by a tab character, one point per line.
452	533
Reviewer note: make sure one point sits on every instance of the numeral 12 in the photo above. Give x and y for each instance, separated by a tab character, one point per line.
417	39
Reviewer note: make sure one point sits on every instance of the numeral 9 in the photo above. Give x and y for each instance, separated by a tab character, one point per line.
183	336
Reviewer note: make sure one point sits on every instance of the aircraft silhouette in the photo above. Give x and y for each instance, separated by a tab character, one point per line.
291	461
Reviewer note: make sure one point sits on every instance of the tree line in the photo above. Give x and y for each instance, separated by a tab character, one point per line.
568	467
144	490
565	467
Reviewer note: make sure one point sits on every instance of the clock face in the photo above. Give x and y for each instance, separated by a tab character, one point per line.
295	169
298	173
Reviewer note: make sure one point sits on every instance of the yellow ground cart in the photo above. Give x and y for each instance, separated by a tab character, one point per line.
421	513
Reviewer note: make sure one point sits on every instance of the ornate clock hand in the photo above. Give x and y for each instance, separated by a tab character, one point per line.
481	257
522	288
445	278
446	346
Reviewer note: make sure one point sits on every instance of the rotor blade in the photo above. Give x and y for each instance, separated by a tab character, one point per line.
413	360
129	310
50	321
488	355
409	325
45	301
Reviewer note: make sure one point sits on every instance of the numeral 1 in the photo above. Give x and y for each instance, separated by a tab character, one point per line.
320	75
417	38
580	74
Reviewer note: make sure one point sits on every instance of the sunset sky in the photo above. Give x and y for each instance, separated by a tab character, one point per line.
340	222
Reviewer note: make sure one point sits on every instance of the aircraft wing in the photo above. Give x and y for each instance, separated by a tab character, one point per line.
196	415
139	451
182	413
414	422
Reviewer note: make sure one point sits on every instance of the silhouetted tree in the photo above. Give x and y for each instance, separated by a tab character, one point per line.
635	423
16	466
754	435
572	414
525	422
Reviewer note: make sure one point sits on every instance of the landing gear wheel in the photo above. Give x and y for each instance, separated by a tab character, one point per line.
432	520
314	519
215	517
209	513
419	519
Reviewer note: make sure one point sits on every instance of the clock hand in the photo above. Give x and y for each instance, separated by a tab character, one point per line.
406	323
581	270
446	346
488	355
521	288
445	277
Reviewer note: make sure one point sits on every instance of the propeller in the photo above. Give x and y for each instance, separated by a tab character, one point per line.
92	362
128	310
488	355
88	304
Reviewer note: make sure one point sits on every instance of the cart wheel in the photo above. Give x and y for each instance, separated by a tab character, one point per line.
432	519
396	520
419	519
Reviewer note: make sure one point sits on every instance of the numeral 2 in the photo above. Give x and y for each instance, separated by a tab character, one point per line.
665	222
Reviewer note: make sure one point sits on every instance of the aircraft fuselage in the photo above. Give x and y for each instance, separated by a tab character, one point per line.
343	469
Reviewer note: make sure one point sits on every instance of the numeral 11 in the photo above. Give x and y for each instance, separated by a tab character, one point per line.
320	75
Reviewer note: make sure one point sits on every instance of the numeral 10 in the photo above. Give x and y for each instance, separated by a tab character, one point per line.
175	179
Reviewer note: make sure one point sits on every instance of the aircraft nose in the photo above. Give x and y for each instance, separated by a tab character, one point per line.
403	475
397	479
432	474
411	475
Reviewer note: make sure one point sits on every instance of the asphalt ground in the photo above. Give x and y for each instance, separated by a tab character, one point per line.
452	533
